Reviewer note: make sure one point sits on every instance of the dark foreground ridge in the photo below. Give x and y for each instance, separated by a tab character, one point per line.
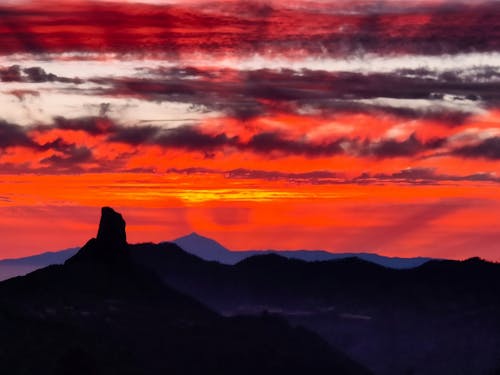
103	313
439	318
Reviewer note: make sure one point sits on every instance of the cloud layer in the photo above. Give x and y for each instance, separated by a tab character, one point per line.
253	27
364	123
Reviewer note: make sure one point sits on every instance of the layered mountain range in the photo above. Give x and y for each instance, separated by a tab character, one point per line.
208	249
102	312
115	307
438	318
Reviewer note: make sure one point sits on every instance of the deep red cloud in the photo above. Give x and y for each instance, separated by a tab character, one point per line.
229	29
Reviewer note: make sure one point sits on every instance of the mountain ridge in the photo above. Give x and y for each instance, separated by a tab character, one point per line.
423	316
209	249
101	312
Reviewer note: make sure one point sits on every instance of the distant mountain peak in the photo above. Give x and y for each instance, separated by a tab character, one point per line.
194	236
197	236
111	227
203	247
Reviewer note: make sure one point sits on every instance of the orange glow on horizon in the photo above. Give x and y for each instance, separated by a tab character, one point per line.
392	220
343	126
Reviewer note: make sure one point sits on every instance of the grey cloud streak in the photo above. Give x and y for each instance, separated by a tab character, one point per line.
247	94
413	176
449	97
16	73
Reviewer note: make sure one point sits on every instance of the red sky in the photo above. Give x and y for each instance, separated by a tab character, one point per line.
343	126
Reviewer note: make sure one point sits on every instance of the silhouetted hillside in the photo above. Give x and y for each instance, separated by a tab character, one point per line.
441	317
101	313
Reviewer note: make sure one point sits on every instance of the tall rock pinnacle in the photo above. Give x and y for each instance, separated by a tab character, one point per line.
111	228
110	246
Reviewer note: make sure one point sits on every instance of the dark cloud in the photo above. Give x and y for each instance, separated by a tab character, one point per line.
90	125
193	138
182	137
412	176
11	74
12	135
190	138
247	94
389	148
273	144
194	170
16	73
71	158
135	135
66	155
269	142
38	75
15	168
423	176
251	174
488	149
275	175
177	72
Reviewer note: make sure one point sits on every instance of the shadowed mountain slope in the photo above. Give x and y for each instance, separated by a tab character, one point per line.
441	317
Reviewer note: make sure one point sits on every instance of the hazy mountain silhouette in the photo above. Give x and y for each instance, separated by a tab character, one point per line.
103	313
209	249
21	266
439	318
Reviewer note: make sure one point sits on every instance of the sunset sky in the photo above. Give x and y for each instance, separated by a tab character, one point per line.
340	125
